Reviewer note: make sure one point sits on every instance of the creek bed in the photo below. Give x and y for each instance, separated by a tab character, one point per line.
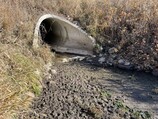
77	90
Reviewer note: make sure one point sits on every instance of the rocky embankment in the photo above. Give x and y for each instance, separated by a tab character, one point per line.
113	58
73	91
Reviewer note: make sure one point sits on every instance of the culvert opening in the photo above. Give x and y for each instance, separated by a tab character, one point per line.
51	32
62	36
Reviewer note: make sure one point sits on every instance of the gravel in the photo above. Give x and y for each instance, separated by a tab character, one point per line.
70	93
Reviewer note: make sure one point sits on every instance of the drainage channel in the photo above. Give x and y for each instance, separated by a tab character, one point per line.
77	89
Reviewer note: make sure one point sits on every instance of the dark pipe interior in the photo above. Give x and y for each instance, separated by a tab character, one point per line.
50	31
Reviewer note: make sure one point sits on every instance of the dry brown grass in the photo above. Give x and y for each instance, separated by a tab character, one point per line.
129	25
20	76
116	19
117	23
20	66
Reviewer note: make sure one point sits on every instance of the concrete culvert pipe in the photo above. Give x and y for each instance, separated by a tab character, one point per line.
62	36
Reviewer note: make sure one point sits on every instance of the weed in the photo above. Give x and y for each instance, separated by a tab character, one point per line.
119	104
106	94
140	114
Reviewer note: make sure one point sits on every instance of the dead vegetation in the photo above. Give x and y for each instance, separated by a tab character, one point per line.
20	65
129	25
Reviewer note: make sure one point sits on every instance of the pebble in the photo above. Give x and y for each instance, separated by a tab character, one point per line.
121	61
109	63
101	60
59	98
123	64
65	60
113	50
53	71
127	63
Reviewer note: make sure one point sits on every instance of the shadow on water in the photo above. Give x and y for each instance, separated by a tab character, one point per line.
136	87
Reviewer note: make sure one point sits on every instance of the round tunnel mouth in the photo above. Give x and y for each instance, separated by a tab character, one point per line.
62	36
52	32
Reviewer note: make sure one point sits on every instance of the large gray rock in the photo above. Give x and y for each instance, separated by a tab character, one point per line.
123	64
